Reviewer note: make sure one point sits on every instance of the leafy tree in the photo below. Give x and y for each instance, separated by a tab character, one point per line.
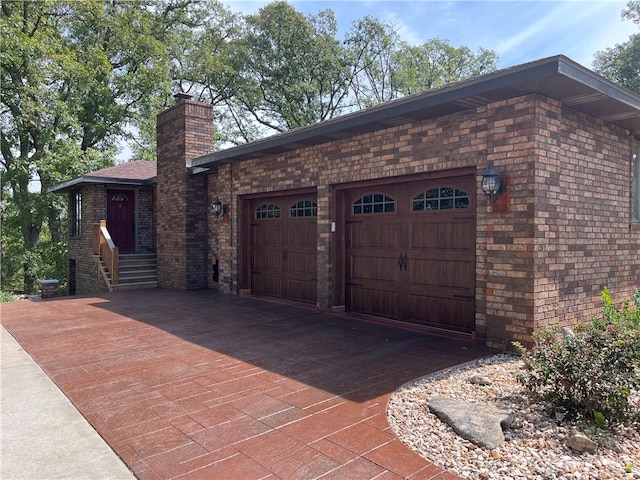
371	45
74	74
436	63
79	76
207	57
294	67
621	64
388	68
34	120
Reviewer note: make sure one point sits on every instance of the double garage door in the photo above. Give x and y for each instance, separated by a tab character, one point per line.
406	251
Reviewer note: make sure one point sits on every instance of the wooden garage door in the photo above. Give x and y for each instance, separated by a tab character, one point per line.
283	247
410	253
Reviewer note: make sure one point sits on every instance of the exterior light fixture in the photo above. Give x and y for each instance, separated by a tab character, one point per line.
492	184
218	208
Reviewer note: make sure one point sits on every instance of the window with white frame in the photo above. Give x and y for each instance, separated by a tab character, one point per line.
76	214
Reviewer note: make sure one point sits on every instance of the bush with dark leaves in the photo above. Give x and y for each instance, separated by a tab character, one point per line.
590	372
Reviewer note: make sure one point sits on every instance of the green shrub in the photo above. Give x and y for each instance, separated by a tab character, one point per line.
620	314
7	297
590	372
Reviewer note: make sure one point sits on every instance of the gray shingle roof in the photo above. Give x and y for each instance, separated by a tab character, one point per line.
137	172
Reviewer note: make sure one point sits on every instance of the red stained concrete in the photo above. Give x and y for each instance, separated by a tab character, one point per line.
197	385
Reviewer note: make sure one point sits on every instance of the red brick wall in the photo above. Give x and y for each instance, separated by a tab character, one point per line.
184	132
585	237
531	265
81	246
223	230
146	219
505	245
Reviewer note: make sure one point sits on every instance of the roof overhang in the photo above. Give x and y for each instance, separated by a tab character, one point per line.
556	77
86	180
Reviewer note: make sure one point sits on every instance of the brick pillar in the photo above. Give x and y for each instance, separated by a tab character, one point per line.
184	132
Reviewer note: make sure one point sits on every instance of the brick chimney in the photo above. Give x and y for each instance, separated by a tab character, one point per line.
184	132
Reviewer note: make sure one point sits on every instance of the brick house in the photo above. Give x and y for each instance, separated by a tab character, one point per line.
381	213
123	196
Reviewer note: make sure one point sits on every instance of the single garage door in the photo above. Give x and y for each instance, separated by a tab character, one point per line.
283	233
410	252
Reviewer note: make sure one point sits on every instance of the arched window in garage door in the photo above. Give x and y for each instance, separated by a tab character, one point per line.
267	210
374	203
304	208
441	198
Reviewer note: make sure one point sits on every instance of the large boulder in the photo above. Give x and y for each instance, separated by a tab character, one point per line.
479	423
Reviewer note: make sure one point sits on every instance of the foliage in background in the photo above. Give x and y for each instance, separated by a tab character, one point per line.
7	297
436	63
80	77
278	69
621	63
74	75
590	373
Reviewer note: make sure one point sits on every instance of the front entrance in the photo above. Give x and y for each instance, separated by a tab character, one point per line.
121	209
283	244
410	252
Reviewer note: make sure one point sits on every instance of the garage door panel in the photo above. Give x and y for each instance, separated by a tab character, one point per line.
301	290
301	262
444	313
441	235
267	284
302	235
367	235
373	268
444	273
266	260
266	235
371	301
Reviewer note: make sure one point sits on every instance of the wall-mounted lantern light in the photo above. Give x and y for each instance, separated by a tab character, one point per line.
218	208
492	184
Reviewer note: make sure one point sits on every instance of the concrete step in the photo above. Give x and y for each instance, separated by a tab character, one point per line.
137	270
134	286
137	279
128	272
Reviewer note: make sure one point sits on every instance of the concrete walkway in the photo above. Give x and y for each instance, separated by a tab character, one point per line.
42	434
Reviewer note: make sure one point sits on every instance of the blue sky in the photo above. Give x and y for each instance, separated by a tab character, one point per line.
520	31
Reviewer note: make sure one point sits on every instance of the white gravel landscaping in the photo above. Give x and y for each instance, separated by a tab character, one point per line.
535	446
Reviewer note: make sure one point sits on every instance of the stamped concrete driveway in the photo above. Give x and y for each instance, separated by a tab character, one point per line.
198	385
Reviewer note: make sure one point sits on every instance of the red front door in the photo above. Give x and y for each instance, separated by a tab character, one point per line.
121	219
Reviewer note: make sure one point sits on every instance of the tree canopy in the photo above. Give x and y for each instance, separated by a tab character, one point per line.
80	77
75	76
621	63
278	69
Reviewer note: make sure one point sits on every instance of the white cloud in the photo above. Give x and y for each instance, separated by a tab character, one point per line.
535	30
